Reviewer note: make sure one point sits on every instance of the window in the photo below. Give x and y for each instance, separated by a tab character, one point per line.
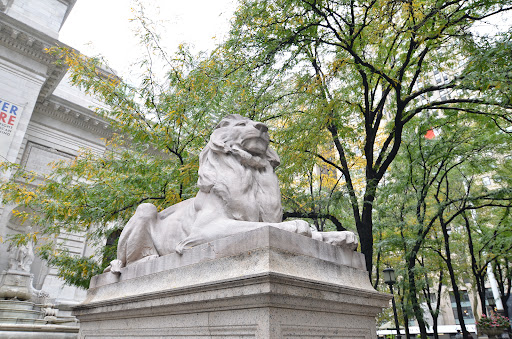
433	299
490	303
467	311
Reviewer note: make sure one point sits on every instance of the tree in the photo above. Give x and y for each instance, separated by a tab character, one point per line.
432	296
338	82
316	195
502	266
488	241
159	128
433	188
359	71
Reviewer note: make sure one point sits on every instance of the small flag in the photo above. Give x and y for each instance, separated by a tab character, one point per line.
430	134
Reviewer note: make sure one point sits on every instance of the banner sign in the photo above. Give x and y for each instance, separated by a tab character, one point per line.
9	116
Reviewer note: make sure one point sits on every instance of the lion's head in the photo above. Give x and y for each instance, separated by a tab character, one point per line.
239	162
245	138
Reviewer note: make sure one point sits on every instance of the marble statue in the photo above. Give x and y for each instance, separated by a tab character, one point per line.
17	281
21	257
238	192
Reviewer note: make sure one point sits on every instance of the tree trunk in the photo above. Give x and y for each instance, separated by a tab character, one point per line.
418	311
504	280
364	222
365	227
480	284
453	280
406	317
435	321
435	313
477	273
364	230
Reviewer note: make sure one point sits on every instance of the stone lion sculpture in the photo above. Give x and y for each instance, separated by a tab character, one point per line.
238	192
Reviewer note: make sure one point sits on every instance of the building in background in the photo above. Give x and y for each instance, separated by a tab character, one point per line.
42	119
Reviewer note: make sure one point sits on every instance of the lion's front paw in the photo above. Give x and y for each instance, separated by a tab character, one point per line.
303	228
296	226
345	239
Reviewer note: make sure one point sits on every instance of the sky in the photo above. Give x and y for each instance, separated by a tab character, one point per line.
103	27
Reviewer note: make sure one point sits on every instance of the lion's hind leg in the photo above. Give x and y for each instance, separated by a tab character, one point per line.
136	242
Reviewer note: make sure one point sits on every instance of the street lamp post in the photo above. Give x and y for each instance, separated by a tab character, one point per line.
389	278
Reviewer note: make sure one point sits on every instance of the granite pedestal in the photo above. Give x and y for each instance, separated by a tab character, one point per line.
15	284
266	283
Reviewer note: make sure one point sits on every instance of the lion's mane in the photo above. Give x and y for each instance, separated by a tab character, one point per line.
225	167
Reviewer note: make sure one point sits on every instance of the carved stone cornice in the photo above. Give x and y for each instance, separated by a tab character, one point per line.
73	114
54	77
25	40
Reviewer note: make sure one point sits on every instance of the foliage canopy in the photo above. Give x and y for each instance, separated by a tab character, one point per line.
348	88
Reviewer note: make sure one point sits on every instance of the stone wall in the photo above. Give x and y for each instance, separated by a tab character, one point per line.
51	120
44	15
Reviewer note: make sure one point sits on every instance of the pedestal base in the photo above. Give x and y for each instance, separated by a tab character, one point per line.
266	283
15	284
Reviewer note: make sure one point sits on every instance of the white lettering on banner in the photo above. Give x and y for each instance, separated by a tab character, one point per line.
9	116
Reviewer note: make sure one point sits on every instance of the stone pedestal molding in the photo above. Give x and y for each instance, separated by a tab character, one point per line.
15	284
266	283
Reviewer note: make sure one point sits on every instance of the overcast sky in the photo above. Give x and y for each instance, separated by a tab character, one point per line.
103	27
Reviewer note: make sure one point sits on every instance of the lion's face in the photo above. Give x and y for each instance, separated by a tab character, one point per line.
236	144
237	166
237	131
